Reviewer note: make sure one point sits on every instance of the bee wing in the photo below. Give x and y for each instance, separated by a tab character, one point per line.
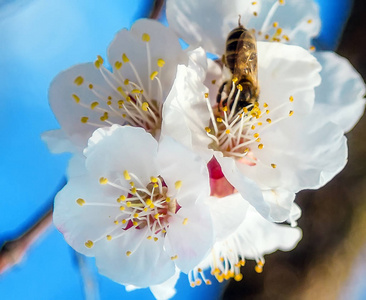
246	63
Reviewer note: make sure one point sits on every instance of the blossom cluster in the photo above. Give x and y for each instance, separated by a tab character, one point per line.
165	178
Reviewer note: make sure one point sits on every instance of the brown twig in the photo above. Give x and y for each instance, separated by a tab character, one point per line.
12	252
156	9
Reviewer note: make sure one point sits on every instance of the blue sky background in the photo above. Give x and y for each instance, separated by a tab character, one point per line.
40	38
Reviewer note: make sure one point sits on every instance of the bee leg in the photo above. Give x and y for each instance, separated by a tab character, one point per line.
219	96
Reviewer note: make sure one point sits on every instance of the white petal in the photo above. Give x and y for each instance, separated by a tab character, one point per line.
58	141
185	113
280	202
266	237
147	265
190	238
88	222
166	289
227	214
286	71
248	189
298	19
295	214
163	44
339	98
207	23
112	150
178	163
69	113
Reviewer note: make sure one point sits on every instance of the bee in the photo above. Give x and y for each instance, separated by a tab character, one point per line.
241	59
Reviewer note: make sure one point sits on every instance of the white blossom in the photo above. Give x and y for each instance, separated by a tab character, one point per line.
137	207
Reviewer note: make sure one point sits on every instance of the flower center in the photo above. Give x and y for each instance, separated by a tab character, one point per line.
124	100
142	207
226	260
236	132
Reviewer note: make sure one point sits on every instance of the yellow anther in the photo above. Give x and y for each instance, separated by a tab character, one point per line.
255	14
227	131
134	223
120	102
275	24
224	108
109	237
174	257
145	106
126	82
84	119
258	140
254	3
122	208
90	86
310	21
109	102
206	95
208	282
246	150
278	31
89	244
135	215
267	111
239	87
266	36
128	203
128	253
132	183
156	216
245	110
268	120
126	175
156	185
199	270
155	239
273	166
135	91
167	200
219	120
94	105
99	62
238	277
260	123
145	37
282	2
213	81
185	221
291	112
312	48
104	117
115	222
178	184
252	127
260	146
256	135
291	99
148	202
128	99
125	58
76	98
118	65
133	190
198	282
152	205
153	75
79	80
149	237
161	62
208	129
80	201
258	269
124	221
103	180
235	79
286	37
153	179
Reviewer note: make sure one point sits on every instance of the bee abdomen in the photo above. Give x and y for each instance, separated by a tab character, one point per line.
232	41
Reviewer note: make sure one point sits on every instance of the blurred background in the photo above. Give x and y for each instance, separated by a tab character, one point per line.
38	39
